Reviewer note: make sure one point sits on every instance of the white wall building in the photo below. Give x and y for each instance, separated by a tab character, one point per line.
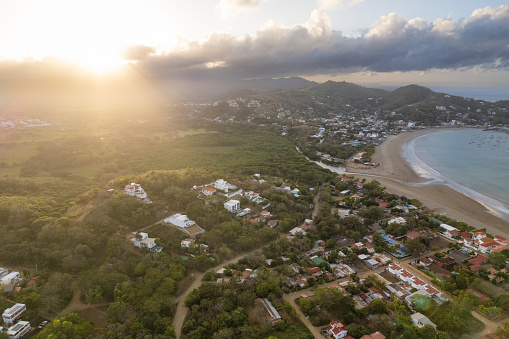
232	206
135	190
10	278
18	330
420	320
13	313
179	220
143	241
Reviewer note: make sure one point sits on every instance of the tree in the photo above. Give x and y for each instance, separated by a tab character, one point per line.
415	246
357	331
498	260
427	332
377	306
502	332
69	326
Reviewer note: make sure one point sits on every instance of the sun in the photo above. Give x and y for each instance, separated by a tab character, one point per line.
97	62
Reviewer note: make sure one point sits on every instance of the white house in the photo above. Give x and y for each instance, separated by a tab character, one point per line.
135	190
337	330
142	240
399	220
208	190
448	229
232	206
420	320
10	278
297	230
13	313
220	184
18	330
186	243
179	220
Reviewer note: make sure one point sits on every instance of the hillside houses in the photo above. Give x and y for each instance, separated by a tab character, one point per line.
141	240
184	224
218	187
135	190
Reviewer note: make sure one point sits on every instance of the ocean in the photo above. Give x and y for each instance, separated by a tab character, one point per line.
471	161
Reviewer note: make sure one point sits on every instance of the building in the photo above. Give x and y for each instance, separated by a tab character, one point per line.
221	184
271	310
208	190
337	330
179	220
141	240
186	243
449	231
18	330
13	313
10	278
420	320
376	335
135	190
232	206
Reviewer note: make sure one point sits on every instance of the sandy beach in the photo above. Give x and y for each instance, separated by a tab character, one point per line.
439	198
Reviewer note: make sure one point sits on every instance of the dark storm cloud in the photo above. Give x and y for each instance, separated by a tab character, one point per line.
391	44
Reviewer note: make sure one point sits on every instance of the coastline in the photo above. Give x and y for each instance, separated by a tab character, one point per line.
440	198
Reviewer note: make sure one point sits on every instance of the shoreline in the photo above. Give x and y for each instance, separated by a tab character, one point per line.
399	174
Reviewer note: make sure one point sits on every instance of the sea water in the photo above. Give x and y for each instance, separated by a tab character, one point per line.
471	161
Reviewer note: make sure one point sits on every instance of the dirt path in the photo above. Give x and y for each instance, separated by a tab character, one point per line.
182	310
316	204
76	305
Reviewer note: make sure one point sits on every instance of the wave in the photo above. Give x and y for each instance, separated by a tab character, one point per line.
496	206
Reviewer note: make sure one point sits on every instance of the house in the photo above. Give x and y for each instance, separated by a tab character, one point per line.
479	235
448	229
413	235
179	220
186	243
18	330
420	320
135	190
232	206
208	190
141	240
376	335
297	230
10	278
13	313
501	240
486	246
395	269
398	220
337	330
271	310
372	263
272	223
265	214
221	184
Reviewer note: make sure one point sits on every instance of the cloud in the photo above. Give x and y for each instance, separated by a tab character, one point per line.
331	4
138	52
232	7
391	44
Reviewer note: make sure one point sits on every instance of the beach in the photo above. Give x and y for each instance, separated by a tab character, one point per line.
398	176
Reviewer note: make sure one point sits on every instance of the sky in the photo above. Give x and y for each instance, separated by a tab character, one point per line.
391	42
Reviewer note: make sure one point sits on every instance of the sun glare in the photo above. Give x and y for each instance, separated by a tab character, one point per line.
97	60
